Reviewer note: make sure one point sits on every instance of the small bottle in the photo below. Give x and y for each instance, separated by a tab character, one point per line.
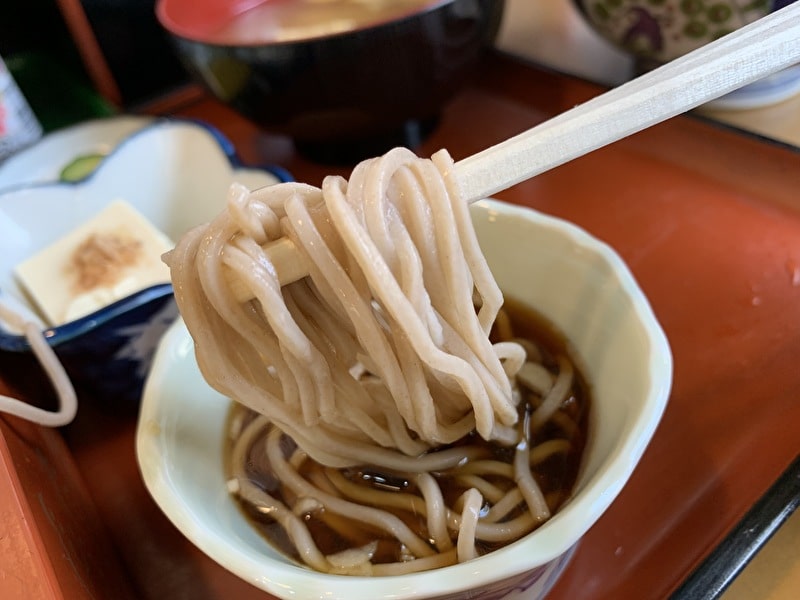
19	126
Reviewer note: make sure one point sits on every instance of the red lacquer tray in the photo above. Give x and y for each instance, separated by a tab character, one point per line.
707	218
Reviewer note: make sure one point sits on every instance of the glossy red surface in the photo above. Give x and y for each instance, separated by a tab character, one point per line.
201	19
195	19
707	218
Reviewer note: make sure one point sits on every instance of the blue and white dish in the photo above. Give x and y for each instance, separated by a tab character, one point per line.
174	172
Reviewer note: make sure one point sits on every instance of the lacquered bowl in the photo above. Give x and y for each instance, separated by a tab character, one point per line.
342	96
577	283
176	173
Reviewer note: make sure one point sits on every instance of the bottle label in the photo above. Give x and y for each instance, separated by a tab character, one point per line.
19	127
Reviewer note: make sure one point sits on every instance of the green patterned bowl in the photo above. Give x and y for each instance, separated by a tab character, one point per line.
657	31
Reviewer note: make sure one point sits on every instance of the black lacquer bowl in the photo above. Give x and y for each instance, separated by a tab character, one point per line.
343	96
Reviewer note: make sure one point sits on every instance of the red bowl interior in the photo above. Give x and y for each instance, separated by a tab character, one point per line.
200	20
196	19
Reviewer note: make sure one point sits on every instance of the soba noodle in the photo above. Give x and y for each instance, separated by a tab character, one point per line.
381	357
54	370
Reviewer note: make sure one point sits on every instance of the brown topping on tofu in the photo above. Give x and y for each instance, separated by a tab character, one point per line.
102	260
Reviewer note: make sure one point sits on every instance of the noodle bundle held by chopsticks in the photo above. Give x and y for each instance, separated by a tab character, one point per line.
382	358
380	354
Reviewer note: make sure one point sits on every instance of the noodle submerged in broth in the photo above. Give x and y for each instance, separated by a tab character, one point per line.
391	419
345	542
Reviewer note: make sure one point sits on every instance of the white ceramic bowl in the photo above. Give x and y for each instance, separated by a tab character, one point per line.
175	172
575	281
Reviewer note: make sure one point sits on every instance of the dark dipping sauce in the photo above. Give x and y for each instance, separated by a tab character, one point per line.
556	474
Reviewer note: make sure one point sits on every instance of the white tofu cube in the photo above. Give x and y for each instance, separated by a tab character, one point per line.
115	254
